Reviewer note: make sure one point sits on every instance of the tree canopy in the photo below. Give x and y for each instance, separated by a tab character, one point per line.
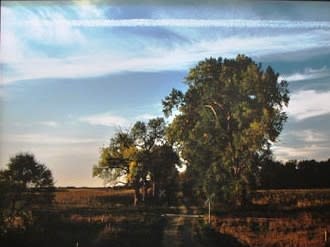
140	157
25	184
227	119
293	174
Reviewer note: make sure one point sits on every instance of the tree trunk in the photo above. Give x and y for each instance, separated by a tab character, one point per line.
153	189
143	192
136	195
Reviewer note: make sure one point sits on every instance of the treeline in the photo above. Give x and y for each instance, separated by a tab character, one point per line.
305	174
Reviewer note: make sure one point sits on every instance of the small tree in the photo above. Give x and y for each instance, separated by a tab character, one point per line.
25	184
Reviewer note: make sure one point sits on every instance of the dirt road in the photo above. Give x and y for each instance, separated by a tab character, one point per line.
184	230
179	231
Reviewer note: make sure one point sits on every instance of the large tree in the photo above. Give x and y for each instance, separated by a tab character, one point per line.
140	156
227	119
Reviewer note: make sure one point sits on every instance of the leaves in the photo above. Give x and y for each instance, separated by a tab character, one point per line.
227	116
142	153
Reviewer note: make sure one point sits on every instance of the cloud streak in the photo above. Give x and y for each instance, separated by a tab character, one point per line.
52	124
53	30
46	139
309	136
313	151
159	58
200	23
308	74
105	119
308	103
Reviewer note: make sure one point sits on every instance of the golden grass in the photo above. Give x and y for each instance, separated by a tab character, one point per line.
292	198
93	197
305	230
300	229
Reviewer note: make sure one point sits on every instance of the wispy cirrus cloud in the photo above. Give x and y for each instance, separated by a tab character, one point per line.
145	117
307	74
50	139
38	124
308	103
111	120
225	23
105	119
158	58
309	136
285	153
52	124
74	29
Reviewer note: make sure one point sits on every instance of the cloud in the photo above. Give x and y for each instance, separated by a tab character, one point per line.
200	23
33	38
18	41
308	103
146	116
49	123
309	136
156	58
110	120
105	119
37	138
25	124
313	151
308	74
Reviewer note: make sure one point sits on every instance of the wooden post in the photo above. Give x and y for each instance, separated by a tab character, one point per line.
326	236
209	211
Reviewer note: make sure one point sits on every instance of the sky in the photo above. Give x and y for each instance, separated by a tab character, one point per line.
73	73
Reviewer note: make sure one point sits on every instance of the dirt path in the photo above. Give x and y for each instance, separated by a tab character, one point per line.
179	231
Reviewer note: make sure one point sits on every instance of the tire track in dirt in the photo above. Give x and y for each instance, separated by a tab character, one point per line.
179	230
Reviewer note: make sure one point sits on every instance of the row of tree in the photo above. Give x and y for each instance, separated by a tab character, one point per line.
305	174
223	128
142	158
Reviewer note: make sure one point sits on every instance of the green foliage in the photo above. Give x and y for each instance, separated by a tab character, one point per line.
143	156
27	173
304	174
24	185
228	118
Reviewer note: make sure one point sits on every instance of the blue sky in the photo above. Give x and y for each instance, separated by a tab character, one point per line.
72	73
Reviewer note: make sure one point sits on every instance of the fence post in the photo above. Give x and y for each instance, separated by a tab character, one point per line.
326	236
209	211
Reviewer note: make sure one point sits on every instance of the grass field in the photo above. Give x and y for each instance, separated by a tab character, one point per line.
291	218
276	217
106	217
292	198
93	197
305	229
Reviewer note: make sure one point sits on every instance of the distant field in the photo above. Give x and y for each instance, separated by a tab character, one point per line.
93	197
292	198
280	199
